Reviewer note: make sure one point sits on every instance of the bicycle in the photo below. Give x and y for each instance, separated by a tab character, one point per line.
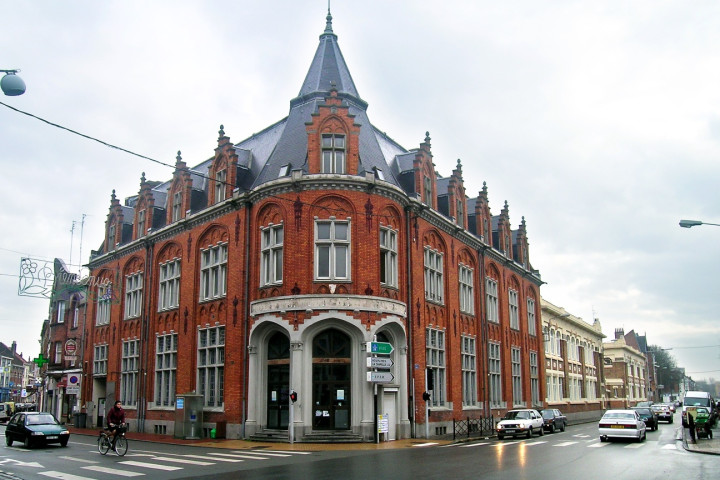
119	444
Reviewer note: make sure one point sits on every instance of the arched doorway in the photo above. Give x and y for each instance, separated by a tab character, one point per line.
278	381
331	380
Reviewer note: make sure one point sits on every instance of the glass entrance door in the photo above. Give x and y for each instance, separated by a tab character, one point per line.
331	381
278	381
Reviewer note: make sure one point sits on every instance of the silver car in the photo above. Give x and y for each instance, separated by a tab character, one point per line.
622	424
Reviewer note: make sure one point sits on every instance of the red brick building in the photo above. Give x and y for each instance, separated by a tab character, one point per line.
268	268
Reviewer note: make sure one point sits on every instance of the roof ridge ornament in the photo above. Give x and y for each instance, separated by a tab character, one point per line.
328	21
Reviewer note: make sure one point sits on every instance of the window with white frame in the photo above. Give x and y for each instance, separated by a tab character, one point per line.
332	249
333	153
141	223
177	206
220	188
165	369
534	379
76	317
211	365
469	372
111	237
104	298
435	360
513	309
433	275
590	391
169	289
495	375
532	328
213	272
427	190
60	312
129	365
460	214
491	297
516	370
558	349
467	298
271	255
100	360
58	352
388	257
133	295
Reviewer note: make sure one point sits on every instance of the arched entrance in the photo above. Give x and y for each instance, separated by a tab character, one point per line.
278	381
331	374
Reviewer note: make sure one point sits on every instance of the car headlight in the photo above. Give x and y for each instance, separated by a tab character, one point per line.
35	434
65	432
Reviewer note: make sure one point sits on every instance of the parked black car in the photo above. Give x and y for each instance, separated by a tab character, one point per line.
553	419
34	428
649	417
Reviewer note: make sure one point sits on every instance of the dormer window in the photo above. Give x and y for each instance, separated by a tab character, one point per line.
141	223
284	171
220	180
333	153
177	207
460	214
379	173
427	191
111	237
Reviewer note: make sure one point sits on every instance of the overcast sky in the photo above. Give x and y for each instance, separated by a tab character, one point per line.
599	122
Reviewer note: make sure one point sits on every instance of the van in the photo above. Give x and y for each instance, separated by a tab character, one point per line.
6	410
697	399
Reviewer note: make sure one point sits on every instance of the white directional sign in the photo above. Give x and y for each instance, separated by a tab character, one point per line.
380	377
379	362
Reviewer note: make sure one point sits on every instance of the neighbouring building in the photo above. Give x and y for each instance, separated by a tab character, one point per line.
16	375
267	268
626	376
573	363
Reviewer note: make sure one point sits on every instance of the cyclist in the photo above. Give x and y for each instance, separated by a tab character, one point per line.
115	419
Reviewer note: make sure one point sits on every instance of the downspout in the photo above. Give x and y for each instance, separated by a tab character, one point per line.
246	320
484	334
144	336
409	284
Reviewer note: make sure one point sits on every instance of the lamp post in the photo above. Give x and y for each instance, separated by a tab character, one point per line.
11	84
695	223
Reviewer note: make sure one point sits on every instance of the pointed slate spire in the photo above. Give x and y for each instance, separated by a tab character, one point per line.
328	22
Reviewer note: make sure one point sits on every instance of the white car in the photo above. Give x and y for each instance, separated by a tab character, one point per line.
622	424
520	422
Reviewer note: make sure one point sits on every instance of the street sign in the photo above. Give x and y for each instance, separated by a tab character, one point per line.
382	348
379	362
380	377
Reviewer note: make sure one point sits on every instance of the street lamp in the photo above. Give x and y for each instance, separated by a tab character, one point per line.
11	84
695	223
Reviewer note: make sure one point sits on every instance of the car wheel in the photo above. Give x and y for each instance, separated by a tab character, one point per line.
552	428
562	427
529	433
671	420
8	440
603	439
542	431
63	443
500	437
26	443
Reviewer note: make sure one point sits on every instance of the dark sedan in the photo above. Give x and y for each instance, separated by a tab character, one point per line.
553	419
649	417
34	428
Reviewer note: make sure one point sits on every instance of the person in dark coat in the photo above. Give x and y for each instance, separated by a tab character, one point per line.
116	418
691	425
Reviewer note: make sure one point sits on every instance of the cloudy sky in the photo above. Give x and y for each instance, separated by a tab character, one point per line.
599	122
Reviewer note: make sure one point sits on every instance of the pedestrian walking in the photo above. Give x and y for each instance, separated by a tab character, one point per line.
691	425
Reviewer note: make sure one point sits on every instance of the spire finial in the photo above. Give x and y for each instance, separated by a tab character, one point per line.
142	179
112	197
328	19
221	132
427	137
179	157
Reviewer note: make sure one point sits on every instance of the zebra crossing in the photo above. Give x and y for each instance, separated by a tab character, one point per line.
142	464
585	441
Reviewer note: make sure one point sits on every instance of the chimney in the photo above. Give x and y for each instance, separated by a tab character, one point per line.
14	348
619	333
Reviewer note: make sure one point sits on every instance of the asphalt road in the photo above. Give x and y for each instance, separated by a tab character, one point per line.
575	453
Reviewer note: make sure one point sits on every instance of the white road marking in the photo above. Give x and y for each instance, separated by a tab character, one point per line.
635	445
215	459
232	455
564	444
74	459
669	446
530	444
113	471
64	476
286	451
502	444
261	452
182	460
427	444
155	466
598	445
475	445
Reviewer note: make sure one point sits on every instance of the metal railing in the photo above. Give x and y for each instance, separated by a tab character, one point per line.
473	427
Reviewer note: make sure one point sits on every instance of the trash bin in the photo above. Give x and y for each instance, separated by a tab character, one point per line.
80	420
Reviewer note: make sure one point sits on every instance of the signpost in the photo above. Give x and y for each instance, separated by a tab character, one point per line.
379	348
382	348
380	377
379	362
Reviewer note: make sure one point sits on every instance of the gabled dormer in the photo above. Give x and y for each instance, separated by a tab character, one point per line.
483	218
114	223
223	170
180	191
144	208
457	201
333	138
521	252
425	178
502	235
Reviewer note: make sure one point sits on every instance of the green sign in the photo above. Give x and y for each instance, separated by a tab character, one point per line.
382	348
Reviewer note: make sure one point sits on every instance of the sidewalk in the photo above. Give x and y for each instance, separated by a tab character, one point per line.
702	445
248	445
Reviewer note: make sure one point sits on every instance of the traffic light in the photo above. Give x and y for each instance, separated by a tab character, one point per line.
293	396
426	396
